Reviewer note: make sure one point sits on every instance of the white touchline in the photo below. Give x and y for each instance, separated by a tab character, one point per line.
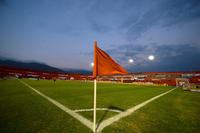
83	120
115	118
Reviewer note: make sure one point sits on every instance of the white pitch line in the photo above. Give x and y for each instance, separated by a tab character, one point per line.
83	120
84	110
87	122
117	117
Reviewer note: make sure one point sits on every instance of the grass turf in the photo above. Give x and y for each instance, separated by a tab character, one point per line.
22	110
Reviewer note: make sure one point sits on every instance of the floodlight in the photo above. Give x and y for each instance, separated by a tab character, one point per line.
151	57
131	60
92	64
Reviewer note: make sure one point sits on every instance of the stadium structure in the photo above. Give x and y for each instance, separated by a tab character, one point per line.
151	78
13	72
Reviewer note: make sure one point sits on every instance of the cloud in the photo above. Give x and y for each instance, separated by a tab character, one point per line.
182	57
100	28
179	58
163	13
105	16
181	11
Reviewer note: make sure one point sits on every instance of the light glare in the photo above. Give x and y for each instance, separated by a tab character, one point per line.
92	64
151	57
131	60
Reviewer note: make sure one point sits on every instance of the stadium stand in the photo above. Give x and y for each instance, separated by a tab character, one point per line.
158	78
13	72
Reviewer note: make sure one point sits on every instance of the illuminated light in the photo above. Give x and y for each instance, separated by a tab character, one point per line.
131	60
92	64
151	57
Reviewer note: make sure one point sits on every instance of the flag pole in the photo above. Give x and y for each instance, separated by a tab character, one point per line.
95	87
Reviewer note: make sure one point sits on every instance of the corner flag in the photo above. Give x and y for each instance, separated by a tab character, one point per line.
104	64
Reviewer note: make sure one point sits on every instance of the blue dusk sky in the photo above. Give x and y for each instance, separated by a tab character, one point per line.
61	33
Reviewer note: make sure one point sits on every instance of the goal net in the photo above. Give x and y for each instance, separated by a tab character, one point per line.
182	82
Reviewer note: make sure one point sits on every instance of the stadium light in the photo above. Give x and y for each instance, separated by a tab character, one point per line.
130	60
151	57
92	64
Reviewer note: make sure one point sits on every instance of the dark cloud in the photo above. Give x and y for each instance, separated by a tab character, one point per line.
181	11
165	13
179	57
182	57
127	50
106	15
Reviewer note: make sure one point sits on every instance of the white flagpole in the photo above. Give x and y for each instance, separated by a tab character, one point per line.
95	87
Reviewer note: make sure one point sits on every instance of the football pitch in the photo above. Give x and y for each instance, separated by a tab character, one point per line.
58	107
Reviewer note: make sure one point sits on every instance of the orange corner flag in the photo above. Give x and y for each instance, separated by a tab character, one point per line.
104	64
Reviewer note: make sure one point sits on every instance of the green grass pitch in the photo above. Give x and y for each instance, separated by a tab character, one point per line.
23	110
